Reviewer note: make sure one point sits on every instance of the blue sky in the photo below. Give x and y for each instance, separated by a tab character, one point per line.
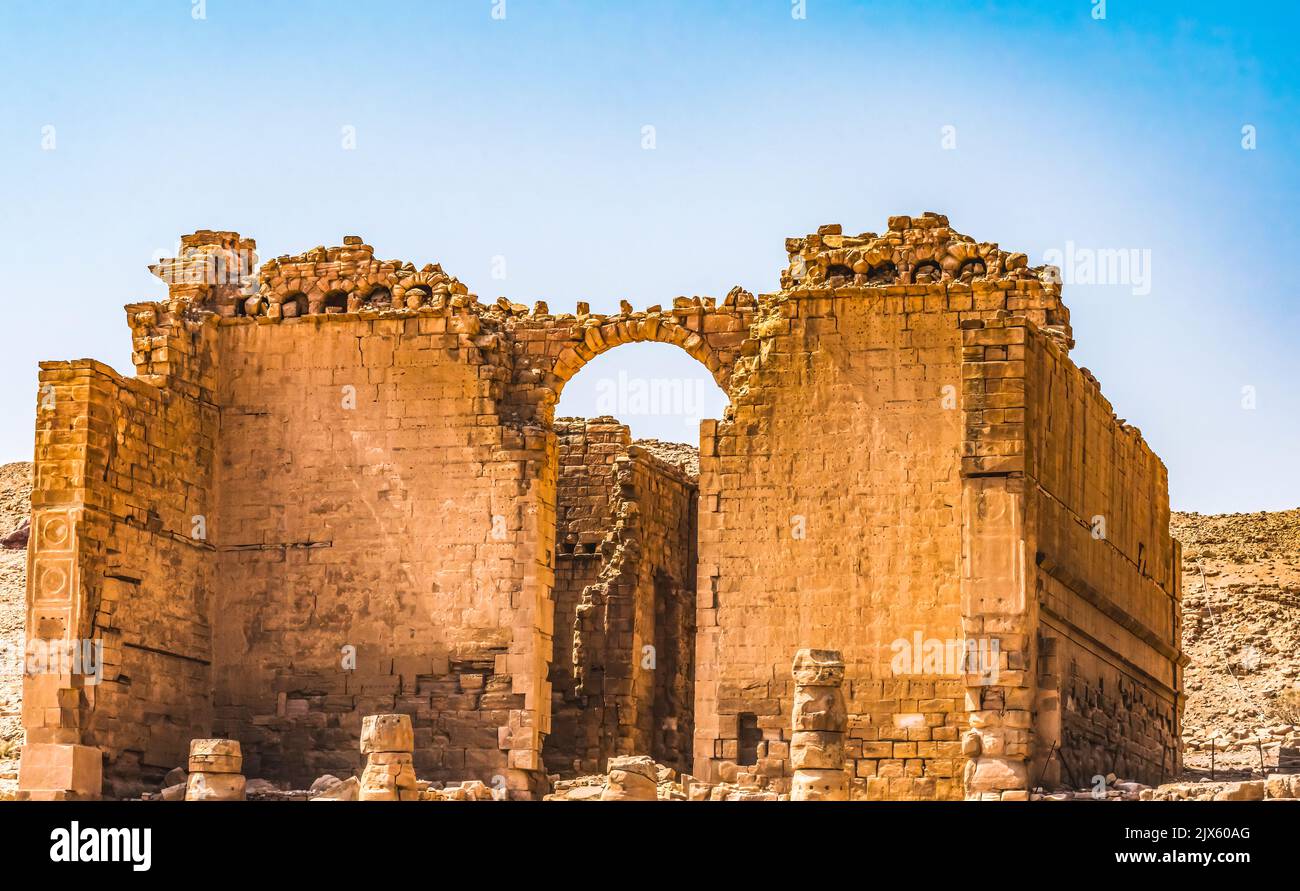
479	139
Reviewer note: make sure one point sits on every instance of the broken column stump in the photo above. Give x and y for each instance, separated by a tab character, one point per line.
216	771
388	742
820	721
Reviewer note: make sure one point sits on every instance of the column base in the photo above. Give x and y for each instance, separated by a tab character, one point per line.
60	772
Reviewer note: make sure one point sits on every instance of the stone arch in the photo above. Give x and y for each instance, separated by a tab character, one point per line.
598	338
422	288
378	294
296	299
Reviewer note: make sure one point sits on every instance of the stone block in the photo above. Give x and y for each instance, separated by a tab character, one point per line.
816	749
202	786
819	708
387	733
1251	790
818	667
216	756
76	771
820	785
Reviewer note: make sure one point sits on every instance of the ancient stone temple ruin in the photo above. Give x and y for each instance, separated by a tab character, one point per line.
335	487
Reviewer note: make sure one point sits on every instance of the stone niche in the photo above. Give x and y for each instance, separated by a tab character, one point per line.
335	486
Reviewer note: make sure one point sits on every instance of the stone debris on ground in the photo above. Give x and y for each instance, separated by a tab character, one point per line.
1275	787
641	778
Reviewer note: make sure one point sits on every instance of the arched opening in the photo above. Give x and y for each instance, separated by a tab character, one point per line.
927	272
971	269
335	301
628	496
839	270
380	297
884	274
294	305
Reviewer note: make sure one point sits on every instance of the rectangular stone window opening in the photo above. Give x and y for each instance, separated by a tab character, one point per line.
748	737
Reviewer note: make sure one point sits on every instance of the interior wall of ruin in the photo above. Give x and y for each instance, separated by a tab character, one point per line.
586	450
373	548
621	674
1106	576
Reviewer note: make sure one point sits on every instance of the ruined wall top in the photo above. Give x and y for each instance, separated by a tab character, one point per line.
915	250
217	271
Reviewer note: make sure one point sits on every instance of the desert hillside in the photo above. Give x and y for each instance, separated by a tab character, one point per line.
15	496
1241	630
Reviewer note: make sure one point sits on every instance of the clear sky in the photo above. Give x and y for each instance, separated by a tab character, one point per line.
518	145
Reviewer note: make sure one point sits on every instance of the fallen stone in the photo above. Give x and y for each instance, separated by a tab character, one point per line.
1251	790
1279	785
324	783
17	538
344	790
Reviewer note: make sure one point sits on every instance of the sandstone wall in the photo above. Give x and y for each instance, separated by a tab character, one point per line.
1106	575
372	554
584	515
119	554
830	520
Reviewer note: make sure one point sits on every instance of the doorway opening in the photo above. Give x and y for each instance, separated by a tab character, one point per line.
628	491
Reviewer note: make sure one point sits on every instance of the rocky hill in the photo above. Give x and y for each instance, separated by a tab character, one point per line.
1241	630
15	504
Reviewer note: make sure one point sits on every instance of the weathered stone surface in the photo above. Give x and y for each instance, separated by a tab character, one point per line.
322	783
989	774
216	756
387	733
631	778
820	785
202	786
1251	790
818	667
819	708
345	790
816	748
